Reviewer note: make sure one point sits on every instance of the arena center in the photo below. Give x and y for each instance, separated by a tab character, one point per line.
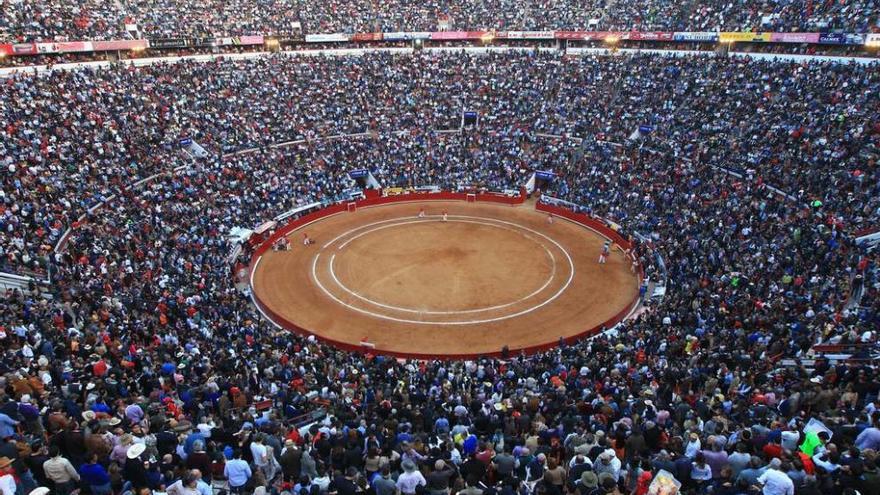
439	248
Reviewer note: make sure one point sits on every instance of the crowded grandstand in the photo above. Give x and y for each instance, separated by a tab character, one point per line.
741	166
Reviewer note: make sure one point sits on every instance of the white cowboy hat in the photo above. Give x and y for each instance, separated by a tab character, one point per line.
135	451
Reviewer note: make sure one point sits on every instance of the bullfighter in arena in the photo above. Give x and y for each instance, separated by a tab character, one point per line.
606	250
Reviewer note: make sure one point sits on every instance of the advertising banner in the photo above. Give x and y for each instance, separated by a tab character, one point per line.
101	46
526	35
651	36
239	40
872	39
794	37
449	35
74	46
841	38
695	36
24	49
593	35
249	40
728	37
401	36
326	38
46	48
203	42
168	43
366	37
578	35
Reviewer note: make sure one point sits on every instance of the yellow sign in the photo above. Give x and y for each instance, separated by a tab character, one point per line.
729	37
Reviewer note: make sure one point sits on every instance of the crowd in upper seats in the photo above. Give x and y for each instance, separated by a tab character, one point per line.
145	368
54	20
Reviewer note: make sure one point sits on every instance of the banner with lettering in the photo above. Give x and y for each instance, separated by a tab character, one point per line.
525	35
728	37
401	36
366	37
841	38
651	36
114	45
326	38
794	37
700	36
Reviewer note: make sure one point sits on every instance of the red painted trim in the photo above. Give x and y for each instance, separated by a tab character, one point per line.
585	220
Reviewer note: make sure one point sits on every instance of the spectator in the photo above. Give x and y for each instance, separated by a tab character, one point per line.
237	473
95	476
775	482
60	472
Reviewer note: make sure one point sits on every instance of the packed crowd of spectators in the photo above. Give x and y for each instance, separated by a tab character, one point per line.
56	20
145	368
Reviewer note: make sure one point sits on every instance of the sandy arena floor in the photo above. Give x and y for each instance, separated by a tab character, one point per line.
489	276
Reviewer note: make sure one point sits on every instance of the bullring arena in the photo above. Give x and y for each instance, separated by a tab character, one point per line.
489	276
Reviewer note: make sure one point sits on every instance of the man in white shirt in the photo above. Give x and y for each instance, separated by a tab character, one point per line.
7	485
188	485
410	479
608	463
260	453
774	481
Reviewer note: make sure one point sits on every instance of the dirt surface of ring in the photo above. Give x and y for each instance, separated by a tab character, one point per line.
488	276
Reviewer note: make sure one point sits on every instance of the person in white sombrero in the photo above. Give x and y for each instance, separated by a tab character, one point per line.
135	469
135	450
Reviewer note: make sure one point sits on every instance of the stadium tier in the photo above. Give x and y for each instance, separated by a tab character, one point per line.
732	200
53	20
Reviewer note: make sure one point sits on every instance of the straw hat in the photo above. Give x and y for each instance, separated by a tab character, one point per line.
5	462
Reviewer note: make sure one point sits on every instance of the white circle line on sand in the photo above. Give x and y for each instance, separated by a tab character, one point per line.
403	221
450	323
466	311
361	227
